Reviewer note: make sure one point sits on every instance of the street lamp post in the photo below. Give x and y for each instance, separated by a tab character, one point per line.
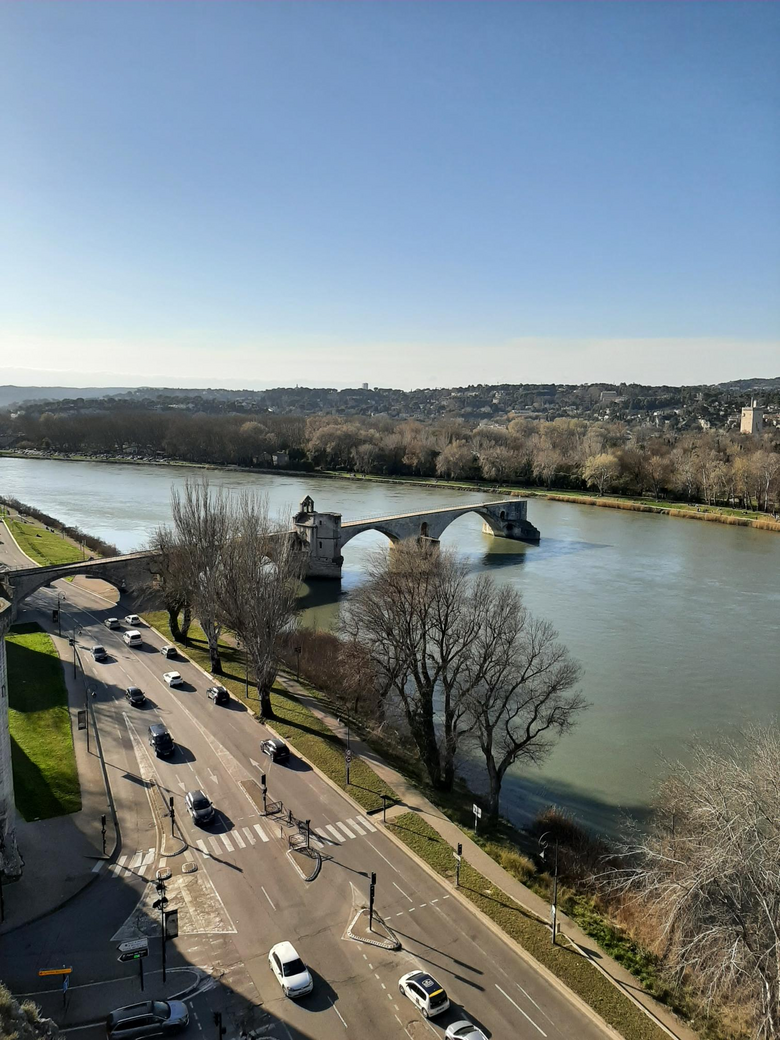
543	844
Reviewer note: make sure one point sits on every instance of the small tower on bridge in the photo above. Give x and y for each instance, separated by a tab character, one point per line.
320	535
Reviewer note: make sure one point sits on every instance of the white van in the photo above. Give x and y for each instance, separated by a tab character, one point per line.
133	637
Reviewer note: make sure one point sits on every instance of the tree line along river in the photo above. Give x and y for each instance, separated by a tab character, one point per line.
676	623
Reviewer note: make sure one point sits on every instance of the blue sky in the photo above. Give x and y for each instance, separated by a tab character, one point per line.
410	194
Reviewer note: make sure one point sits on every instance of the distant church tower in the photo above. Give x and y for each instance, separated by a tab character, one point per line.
752	419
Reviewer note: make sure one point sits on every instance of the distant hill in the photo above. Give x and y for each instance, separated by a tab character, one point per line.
10	394
746	385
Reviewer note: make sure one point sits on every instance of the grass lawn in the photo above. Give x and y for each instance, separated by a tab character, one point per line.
293	720
573	969
46	782
45	547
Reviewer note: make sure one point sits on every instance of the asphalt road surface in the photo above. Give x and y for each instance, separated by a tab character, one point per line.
239	889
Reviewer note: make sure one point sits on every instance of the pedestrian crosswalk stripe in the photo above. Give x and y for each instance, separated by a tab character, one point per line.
149	857
346	829
116	868
237	838
365	823
215	845
260	831
334	832
249	836
136	860
202	846
226	842
187	855
356	825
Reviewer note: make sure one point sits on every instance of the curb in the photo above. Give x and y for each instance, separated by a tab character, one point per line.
21	550
389	944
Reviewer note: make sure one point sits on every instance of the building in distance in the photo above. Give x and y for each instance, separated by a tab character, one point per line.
752	419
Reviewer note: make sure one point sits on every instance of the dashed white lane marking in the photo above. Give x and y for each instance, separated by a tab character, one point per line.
365	823
346	829
261	832
202	846
215	845
268	898
249	836
227	842
520	1010
334	832
238	839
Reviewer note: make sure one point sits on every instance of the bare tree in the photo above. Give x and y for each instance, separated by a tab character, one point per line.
601	470
708	870
171	573
416	620
519	700
202	526
259	585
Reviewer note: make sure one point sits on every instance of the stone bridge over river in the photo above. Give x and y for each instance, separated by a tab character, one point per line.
322	536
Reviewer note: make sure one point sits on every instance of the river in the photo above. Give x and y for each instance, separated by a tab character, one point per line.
675	622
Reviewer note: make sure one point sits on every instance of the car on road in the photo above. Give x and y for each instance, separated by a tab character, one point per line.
290	971
111	622
161	740
173	678
99	653
133	637
424	992
218	694
199	807
276	749
133	619
168	651
464	1030
135	695
147	1019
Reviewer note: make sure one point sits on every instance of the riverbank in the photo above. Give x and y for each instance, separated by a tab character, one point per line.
713	514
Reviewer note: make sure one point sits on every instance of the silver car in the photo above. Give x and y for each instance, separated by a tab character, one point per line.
150	1018
199	807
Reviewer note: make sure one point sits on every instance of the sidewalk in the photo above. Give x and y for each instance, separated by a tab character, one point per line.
411	798
62	855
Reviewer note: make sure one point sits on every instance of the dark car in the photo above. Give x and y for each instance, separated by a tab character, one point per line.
147	1019
218	694
199	807
135	695
160	739
276	749
99	653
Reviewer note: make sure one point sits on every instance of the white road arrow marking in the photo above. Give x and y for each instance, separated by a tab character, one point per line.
214	777
256	764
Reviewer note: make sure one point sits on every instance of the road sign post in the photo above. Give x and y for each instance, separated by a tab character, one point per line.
371	891
347	761
264	786
135	950
103	832
384	808
159	904
173	814
477	815
458	857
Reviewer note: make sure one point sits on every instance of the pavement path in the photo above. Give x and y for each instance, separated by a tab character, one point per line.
411	798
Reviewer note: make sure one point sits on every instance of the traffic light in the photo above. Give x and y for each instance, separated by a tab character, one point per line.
221	1030
263	781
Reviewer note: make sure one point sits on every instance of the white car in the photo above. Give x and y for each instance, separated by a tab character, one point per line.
133	619
173	678
424	992
464	1030
290	971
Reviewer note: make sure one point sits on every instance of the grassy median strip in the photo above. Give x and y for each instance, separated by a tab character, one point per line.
292	720
45	547
46	781
571	967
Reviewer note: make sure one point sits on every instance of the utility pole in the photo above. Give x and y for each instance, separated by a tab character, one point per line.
173	813
458	857
371	891
543	845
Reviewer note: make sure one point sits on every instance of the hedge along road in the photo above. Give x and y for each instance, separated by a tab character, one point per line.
671	620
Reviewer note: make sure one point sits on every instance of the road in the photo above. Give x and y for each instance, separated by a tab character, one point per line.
239	889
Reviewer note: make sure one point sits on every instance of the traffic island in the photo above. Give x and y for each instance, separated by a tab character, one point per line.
307	861
375	932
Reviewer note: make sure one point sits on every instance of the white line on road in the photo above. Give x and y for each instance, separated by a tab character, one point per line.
334	832
226	842
403	893
338	1012
346	829
261	832
98	866
521	1010
215	845
148	857
137	860
268	898
202	846
364	823
249	836
395	868
238	839
356	825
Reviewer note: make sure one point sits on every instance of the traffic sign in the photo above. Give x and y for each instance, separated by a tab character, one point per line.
133	956
55	971
134	945
477	811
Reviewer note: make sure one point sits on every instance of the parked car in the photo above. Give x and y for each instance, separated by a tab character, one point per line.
161	740
135	695
276	749
173	678
199	807
99	653
218	694
464	1030
133	637
290	971
133	619
147	1019
168	651
424	992
112	622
